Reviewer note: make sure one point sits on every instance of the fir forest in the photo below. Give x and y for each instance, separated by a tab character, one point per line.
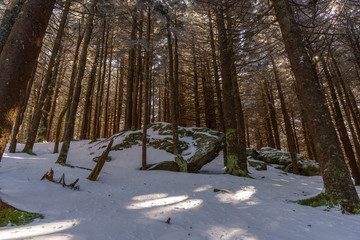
180	119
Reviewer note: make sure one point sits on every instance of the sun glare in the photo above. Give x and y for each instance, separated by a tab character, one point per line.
40	231
157	202
239	196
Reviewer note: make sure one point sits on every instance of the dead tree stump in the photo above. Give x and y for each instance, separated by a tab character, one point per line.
97	169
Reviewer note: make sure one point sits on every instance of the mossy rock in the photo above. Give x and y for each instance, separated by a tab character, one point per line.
12	217
162	128
250	152
96	159
167	145
166	166
304	169
259	166
208	149
275	156
129	141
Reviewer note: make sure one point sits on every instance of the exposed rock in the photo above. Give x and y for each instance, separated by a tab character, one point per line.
167	166
259	166
208	149
198	146
275	156
250	152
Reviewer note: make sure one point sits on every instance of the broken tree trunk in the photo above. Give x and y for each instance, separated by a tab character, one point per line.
97	169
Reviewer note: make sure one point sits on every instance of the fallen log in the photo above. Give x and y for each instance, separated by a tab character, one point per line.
97	169
50	176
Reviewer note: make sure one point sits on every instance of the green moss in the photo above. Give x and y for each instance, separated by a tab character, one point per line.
156	126
167	145
128	142
30	152
318	201
14	217
181	163
259	166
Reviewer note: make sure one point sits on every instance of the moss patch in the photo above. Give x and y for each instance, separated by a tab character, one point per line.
12	217
129	141
317	201
165	144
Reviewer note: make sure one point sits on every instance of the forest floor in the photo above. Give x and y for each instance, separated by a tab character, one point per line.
126	203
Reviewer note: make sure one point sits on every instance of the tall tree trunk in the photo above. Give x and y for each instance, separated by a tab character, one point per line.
70	93
234	166
102	86
138	77
43	127
349	97
11	13
346	107
217	82
54	105
174	101
147	78
17	61
296	140
341	125
75	101
89	91
337	180
131	77
273	115
98	97
47	81
208	94
21	114
289	133
267	122
196	87
120	95
106	115
237	98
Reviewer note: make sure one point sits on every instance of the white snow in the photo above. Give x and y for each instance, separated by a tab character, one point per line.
126	203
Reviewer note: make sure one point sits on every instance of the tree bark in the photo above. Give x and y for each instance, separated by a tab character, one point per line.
138	77
106	115
208	94
18	59
43	127
289	133
8	20
146	97
341	125
196	87
70	93
21	114
89	91
338	184
47	81
131	77
77	90
232	139
174	101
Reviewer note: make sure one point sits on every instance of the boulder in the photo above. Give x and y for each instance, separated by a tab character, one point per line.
167	166
207	149
198	146
259	166
275	156
250	152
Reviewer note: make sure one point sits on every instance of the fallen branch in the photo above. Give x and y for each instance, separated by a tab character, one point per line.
97	169
50	176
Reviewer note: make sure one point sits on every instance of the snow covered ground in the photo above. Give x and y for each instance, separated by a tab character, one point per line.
126	203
